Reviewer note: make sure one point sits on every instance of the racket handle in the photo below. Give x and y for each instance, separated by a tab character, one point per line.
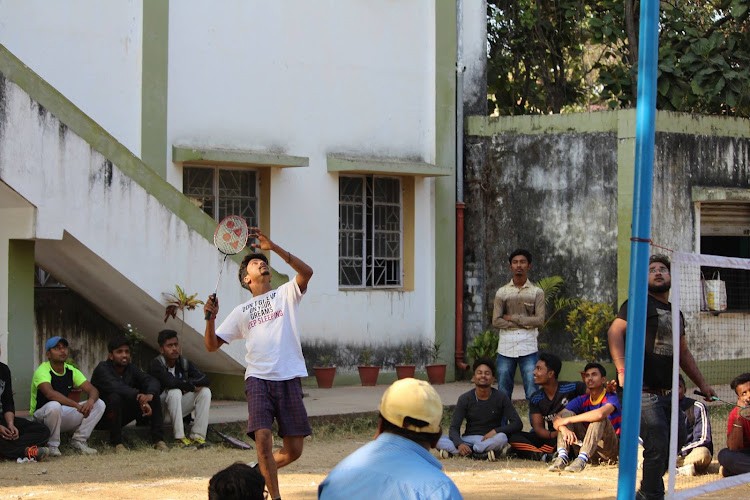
699	393
208	313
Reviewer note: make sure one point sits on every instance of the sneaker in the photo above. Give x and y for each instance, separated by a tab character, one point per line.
200	442
444	454
480	456
82	447
576	465
161	446
505	450
38	453
686	470
54	451
183	443
558	464
491	456
120	448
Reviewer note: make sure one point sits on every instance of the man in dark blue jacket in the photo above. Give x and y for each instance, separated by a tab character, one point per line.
184	389
129	393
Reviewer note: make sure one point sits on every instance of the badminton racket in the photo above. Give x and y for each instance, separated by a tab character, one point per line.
744	410
230	238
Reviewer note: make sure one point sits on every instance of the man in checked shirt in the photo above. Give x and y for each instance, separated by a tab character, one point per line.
518	313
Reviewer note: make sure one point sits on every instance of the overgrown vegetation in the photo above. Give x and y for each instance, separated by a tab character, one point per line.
588	323
568	55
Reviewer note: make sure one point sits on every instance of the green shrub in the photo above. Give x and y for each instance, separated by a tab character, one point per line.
588	323
484	345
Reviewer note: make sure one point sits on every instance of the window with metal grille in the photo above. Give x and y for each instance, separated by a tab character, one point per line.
370	232
725	230
223	191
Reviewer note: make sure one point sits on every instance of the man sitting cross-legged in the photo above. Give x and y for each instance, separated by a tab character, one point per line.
544	405
129	393
490	418
594	418
184	389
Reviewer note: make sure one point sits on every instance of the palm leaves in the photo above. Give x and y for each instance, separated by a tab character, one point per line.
553	287
179	301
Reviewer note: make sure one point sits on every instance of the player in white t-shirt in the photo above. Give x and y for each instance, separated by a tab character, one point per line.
268	325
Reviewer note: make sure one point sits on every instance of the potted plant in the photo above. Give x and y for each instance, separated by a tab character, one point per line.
368	374
407	368
435	370
325	372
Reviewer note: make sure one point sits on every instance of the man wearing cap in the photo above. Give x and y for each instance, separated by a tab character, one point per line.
50	404
130	393
268	325
489	415
398	463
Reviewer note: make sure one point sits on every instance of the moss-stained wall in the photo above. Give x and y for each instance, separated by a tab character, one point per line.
561	186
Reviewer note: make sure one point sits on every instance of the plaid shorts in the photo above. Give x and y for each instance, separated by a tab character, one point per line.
279	399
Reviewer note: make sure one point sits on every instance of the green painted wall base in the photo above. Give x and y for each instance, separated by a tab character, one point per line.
21	327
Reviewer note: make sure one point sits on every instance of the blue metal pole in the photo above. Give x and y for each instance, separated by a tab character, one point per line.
648	55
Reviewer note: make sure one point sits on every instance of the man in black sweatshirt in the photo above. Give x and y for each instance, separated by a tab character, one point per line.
184	389
129	393
490	419
19	437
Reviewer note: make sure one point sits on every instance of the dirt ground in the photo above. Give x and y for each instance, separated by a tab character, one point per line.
184	474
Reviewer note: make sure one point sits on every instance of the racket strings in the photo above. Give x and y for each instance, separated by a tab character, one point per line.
231	235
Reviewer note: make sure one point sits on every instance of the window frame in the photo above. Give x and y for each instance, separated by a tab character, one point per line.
215	185
368	224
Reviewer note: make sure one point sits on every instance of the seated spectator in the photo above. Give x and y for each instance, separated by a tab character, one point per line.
130	393
398	463
50	404
489	415
19	438
544	405
735	458
184	389
695	455
237	482
593	418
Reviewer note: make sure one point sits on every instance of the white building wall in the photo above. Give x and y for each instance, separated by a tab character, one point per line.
308	79
89	50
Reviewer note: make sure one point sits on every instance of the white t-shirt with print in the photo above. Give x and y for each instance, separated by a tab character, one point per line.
268	323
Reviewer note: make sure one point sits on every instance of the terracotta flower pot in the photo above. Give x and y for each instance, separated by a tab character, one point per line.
436	374
368	375
324	375
405	371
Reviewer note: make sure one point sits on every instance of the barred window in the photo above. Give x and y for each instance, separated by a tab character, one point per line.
223	191
370	232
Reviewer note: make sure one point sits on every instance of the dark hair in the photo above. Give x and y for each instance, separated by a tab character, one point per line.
599	367
165	335
553	362
660	258
428	438
484	361
243	267
682	380
520	251
237	482
739	380
118	341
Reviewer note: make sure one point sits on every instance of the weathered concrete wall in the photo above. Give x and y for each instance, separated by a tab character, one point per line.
561	186
550	194
683	162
